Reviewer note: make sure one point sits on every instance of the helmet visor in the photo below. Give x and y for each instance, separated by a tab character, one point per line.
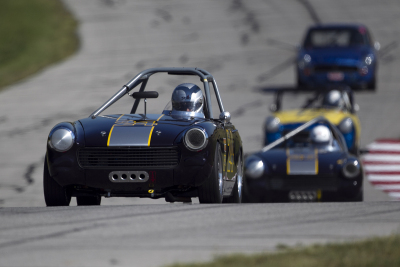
188	106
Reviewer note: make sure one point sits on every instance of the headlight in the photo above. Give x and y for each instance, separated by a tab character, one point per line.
369	59
62	139
272	124
254	167
346	125
351	169
304	61
195	139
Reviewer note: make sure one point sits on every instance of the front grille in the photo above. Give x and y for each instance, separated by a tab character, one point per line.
328	68
129	157
304	182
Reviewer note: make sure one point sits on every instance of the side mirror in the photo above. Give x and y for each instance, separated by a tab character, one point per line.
225	117
356	108
377	46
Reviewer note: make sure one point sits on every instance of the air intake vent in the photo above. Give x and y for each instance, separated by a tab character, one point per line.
129	157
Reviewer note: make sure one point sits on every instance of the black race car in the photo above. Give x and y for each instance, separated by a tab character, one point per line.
310	163
180	153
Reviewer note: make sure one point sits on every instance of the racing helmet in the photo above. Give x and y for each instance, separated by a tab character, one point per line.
333	99
187	97
321	135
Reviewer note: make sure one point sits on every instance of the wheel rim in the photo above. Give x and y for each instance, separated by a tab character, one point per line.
220	178
240	178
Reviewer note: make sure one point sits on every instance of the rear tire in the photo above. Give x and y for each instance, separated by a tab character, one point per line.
237	192
359	197
372	85
211	191
54	194
88	200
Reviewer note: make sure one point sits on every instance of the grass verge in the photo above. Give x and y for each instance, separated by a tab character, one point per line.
34	34
380	251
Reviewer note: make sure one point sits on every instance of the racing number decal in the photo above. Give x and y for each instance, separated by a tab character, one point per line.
229	141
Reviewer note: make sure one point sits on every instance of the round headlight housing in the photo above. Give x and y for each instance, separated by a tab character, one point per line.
304	61
351	169
255	167
62	139
346	125
369	59
195	139
272	124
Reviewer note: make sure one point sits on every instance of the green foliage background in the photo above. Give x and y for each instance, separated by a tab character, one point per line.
34	34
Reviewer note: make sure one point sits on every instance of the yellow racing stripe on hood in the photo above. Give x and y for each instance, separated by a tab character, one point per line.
109	136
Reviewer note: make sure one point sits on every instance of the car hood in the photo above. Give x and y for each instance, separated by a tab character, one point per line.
302	116
345	56
301	161
134	130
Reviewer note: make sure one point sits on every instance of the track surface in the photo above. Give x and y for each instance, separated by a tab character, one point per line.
154	235
246	45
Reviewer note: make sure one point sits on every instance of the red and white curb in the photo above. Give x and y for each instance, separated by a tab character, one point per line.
382	166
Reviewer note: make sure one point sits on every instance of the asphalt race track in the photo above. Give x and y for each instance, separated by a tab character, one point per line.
154	235
247	46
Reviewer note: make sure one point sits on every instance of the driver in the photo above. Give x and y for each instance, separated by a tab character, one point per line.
187	100
333	99
321	136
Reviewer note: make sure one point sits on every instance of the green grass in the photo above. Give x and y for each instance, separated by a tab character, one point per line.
382	252
34	34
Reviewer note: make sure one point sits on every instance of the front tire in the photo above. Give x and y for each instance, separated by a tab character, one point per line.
88	200
211	191
54	194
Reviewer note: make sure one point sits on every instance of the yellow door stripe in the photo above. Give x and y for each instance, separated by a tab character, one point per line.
316	161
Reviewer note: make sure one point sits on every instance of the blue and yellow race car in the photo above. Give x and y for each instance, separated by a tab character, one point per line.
337	54
309	163
336	105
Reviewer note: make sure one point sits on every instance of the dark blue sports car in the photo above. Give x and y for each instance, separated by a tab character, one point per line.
310	163
183	151
337	54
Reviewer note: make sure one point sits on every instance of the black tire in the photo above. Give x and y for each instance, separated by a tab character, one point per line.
359	197
237	192
300	84
54	194
211	191
372	85
88	200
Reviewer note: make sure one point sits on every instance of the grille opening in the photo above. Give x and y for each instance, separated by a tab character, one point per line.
128	157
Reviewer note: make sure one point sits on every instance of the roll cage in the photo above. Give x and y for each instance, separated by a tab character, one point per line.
143	77
319	120
345	90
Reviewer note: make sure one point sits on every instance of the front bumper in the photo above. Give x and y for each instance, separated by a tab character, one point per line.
352	78
326	187
92	173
